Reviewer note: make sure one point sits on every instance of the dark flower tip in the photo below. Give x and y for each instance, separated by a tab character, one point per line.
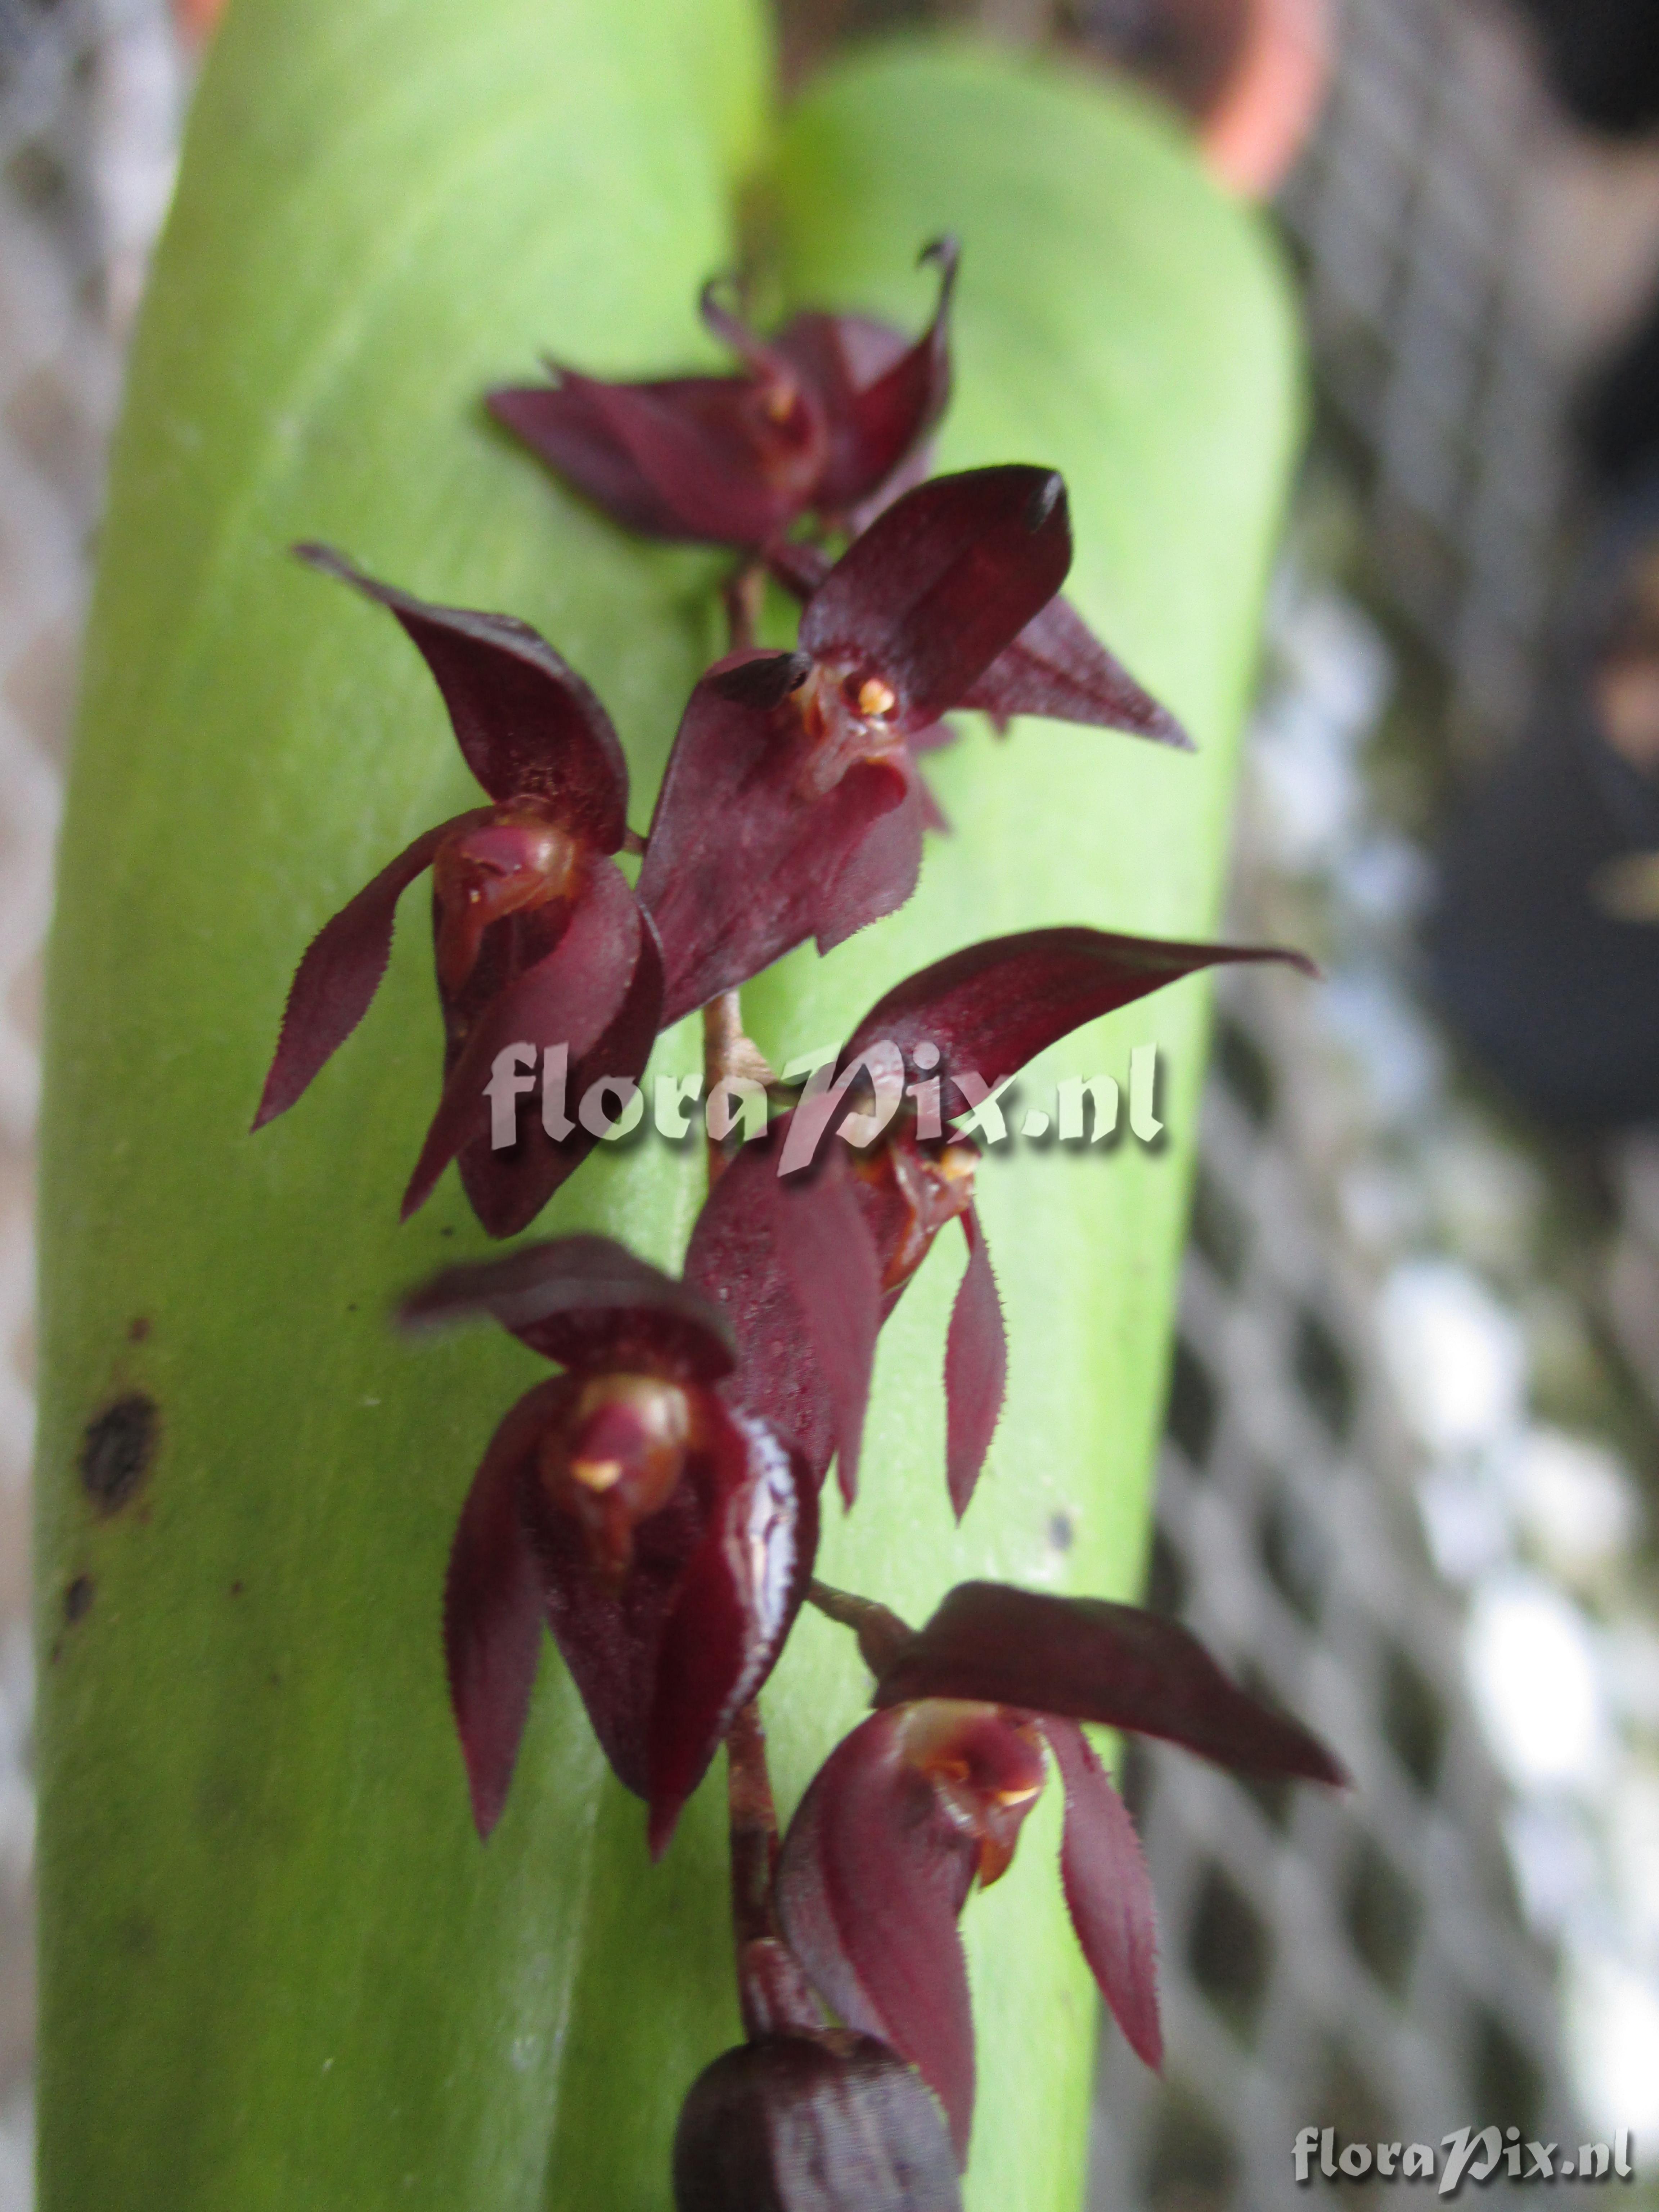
829	2123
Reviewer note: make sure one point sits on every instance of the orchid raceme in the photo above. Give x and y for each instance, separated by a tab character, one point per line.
540	942
928	1797
935	1048
663	1532
825	414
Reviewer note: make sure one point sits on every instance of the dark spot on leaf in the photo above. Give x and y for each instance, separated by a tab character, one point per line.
1062	1532
56	1652
117	1451
445	1232
236	1590
136	1934
77	1598
352	1307
138	1329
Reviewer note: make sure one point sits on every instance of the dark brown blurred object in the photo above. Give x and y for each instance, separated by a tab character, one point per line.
1544	948
1603	57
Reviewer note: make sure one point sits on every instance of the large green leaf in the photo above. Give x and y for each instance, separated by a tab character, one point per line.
278	1968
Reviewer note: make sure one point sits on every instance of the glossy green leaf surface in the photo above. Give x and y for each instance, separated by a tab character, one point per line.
278	1967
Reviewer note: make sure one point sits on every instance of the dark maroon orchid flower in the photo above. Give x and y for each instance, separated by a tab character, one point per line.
663	1533
539	939
832	2122
824	415
1056	668
929	1797
790	807
963	1026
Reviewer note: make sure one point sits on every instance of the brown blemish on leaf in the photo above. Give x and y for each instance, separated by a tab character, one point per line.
236	1590
1062	1532
117	1451
77	1598
138	1329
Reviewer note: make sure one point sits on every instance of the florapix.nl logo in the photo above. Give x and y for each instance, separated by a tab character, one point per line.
1481	2155
857	1102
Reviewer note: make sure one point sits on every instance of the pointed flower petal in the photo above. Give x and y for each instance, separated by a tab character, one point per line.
869	1884
611	1636
341	972
526	722
794	1268
739	867
1108	1892
493	1609
568	998
975	1369
942	582
508	1188
743	1587
1086	1659
992	1007
1057	667
564	426
882	868
584	1301
880	398
695	457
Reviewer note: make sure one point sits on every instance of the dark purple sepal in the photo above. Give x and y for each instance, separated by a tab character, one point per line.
526	722
941	582
493	1607
569	997
869	1884
882	868
508	1188
743	1587
585	1302
740	864
1108	1892
337	980
793	1268
732	1260
993	1007
564	427
1089	1660
834	2122
975	1369
880	397
611	1638
702	451
1058	668
664	1658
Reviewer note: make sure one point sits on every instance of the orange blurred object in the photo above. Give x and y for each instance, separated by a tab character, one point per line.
197	18
1264	112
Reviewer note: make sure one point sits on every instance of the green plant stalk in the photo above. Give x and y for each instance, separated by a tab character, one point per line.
278	1968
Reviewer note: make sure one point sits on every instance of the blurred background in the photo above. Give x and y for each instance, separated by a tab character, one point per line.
1411	1481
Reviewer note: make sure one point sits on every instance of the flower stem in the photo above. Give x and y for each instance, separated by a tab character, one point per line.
773	1993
